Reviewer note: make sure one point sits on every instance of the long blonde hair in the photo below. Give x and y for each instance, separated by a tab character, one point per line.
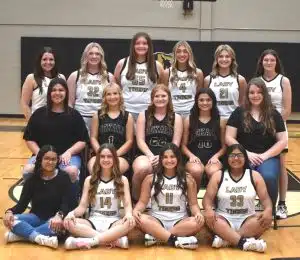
115	173
233	65
104	106
191	65
102	64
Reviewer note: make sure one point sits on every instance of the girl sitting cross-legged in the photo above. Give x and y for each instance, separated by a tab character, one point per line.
103	191
171	191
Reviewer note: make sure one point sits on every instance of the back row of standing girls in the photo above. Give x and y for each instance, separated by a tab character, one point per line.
137	76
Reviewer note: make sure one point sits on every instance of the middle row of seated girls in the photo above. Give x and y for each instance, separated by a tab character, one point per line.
256	125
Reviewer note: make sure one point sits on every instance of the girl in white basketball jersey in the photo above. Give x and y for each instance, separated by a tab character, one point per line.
270	69
112	124
171	191
203	136
138	74
102	193
36	84
234	190
183	78
86	84
226	83
155	127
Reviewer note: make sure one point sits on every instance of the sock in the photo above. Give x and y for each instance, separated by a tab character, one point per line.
241	243
281	202
171	240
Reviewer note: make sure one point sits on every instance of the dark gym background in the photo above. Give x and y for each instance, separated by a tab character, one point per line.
69	52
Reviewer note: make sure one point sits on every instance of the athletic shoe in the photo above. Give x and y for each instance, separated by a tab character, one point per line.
282	211
46	241
219	242
257	245
78	243
187	242
122	242
11	237
150	240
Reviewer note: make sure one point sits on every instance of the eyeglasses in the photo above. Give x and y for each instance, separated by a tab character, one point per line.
50	159
236	155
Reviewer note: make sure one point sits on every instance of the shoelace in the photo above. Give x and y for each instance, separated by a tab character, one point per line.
46	241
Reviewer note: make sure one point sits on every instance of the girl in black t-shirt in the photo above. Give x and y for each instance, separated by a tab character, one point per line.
48	192
155	127
260	129
203	137
59	125
112	124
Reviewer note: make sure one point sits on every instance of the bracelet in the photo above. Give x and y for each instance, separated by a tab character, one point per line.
8	211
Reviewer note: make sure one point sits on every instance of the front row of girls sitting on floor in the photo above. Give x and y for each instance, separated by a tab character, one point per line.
174	217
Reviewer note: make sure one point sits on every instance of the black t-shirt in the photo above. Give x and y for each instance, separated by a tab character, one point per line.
113	131
256	140
62	130
46	196
205	140
158	134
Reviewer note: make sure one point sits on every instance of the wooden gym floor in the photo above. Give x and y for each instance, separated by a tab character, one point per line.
284	242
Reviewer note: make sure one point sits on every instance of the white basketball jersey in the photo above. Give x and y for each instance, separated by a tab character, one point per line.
236	198
136	92
183	91
106	203
89	92
226	90
40	99
171	202
274	87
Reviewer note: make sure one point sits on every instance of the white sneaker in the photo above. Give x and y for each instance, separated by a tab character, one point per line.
122	242
219	242
257	245
78	243
47	241
187	242
150	240
281	212
12	237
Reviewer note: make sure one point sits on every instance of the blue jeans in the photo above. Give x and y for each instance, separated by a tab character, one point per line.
28	226
270	171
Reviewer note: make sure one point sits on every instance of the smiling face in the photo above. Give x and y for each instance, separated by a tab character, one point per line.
255	95
58	94
141	46
106	159
236	159
269	63
112	96
47	62
161	98
49	161
169	160
182	55
205	102
93	56
224	59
